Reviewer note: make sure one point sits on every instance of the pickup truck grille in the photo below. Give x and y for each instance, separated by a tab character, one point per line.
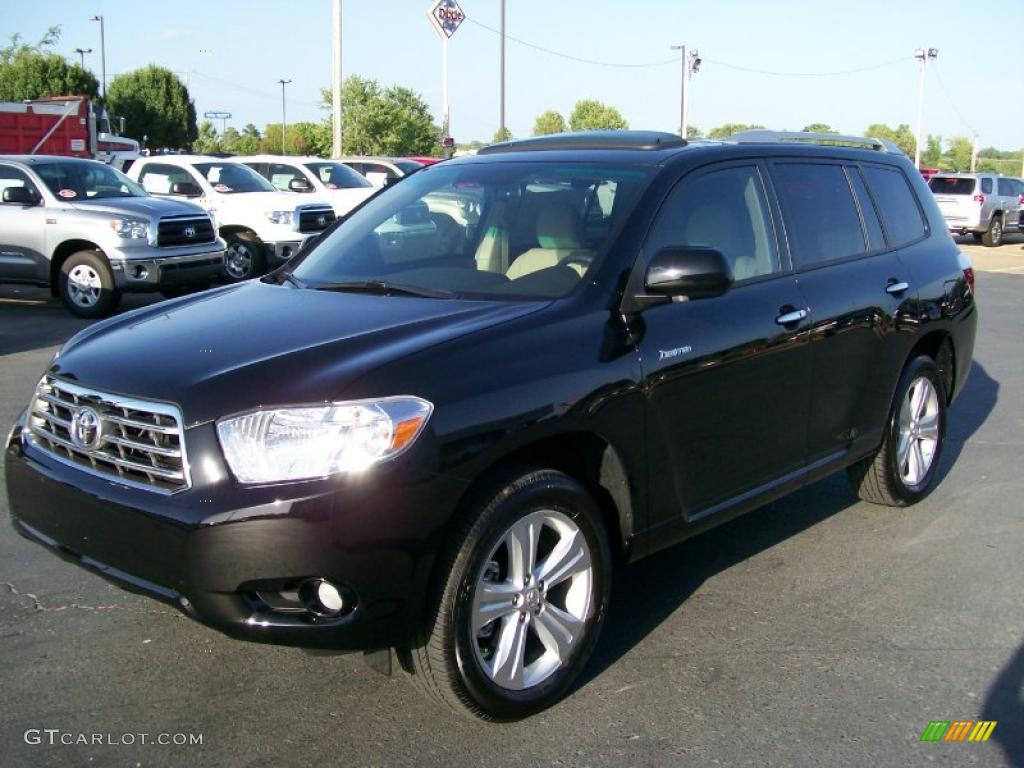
190	231
315	219
132	442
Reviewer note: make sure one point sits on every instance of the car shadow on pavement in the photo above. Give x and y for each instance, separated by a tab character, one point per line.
649	591
1004	703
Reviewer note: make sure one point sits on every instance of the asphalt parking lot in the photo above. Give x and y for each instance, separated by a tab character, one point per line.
816	631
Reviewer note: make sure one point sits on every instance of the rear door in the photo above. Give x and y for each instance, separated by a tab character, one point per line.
955	196
726	378
855	285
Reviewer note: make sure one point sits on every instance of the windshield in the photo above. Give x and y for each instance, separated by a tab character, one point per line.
485	230
952	185
338	176
87	181
228	178
408	166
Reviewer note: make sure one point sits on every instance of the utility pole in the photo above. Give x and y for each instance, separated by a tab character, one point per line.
690	66
922	55
81	55
336	113
501	115
974	152
284	118
103	56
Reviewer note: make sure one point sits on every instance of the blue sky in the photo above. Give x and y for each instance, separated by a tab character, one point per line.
974	85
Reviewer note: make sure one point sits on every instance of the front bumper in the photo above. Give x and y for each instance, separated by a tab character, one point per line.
280	251
217	549
154	273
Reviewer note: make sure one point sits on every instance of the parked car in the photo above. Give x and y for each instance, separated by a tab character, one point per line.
262	226
90	233
424	160
1017	188
985	205
330	180
378	170
442	449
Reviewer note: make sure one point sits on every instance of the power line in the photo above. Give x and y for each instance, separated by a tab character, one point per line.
952	104
771	73
570	57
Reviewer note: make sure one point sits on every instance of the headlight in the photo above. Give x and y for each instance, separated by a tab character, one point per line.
279	217
130	228
317	441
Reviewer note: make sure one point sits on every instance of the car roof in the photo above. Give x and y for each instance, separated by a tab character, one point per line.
286	158
37	159
186	159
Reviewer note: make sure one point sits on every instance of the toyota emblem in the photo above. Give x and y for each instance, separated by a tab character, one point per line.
190	231
322	221
86	429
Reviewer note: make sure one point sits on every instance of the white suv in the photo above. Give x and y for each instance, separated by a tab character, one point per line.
987	205
331	180
262	226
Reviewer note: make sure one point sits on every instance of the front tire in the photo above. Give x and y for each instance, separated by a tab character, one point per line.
905	468
993	236
86	285
243	257
522	603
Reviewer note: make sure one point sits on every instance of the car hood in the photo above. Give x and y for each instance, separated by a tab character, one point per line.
154	207
344	200
257	344
270	201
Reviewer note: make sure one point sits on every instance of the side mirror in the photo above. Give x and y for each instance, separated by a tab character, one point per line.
20	196
300	185
695	273
187	188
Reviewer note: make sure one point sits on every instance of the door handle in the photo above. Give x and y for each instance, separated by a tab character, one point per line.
794	316
895	287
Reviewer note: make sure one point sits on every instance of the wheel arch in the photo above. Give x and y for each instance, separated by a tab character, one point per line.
238	229
938	345
61	253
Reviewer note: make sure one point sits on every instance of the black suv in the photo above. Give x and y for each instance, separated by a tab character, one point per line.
496	379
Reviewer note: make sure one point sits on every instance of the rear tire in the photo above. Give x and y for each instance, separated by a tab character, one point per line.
243	257
86	285
993	236
905	467
508	633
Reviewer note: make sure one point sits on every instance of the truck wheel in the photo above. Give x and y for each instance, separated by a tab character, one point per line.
523	595
86	285
993	236
243	258
906	466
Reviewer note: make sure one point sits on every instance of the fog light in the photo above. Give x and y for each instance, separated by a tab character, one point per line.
140	272
286	252
321	597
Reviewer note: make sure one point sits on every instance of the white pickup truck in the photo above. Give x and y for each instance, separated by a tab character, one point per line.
330	180
263	227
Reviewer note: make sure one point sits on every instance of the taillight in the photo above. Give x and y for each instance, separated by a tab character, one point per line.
979	198
1022	199
969	277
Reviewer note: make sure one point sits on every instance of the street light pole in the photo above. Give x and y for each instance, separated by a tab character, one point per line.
501	115
682	89
103	55
336	113
81	55
284	117
922	55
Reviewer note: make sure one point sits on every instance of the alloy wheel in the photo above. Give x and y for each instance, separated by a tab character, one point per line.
918	431
84	285
238	261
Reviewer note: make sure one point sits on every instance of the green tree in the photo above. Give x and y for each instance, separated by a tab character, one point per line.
958	153
229	139
248	142
33	71
206	139
303	138
502	134
592	115
155	104
931	156
383	121
693	132
819	128
549	122
901	136
727	130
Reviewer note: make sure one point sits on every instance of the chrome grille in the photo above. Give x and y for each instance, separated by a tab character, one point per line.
185	231
136	443
315	219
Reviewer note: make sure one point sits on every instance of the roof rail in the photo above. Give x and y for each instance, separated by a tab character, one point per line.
647	140
765	136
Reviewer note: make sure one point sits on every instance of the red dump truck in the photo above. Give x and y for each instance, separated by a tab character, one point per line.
63	125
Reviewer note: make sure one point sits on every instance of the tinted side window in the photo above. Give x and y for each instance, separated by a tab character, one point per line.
986	186
281	175
726	210
157	179
821	220
1004	187
13	177
868	212
900	212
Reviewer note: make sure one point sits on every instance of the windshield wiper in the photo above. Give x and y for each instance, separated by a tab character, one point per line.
288	276
382	288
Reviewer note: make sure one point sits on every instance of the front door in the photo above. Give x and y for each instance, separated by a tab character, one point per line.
22	232
726	378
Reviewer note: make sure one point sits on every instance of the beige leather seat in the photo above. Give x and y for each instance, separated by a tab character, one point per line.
559	237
